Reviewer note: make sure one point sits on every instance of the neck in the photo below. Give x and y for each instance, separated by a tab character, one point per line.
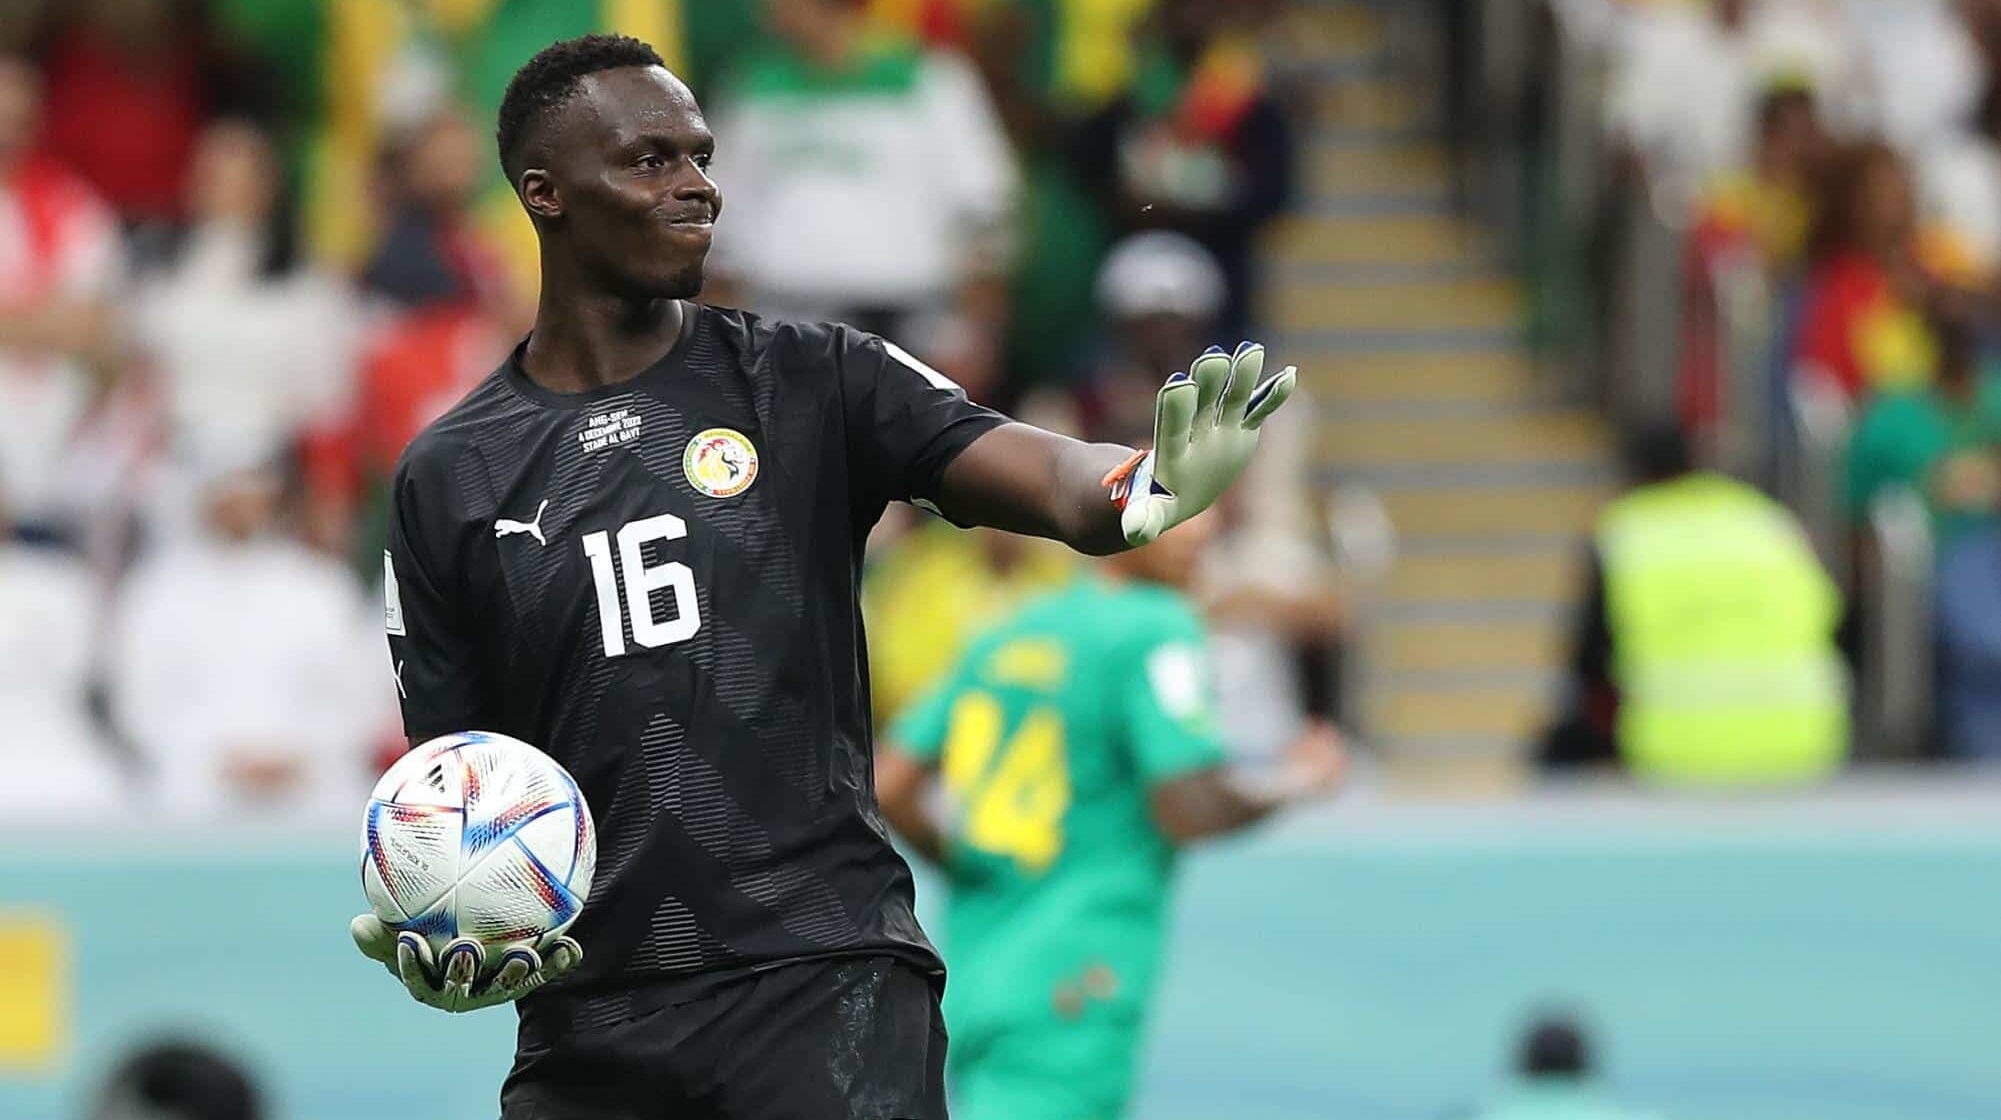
586	341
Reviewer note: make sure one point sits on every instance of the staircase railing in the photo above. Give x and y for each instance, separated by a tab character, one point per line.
1896	682
1811	451
1743	318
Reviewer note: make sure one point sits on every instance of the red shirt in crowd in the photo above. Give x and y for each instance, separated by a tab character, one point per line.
1841	293
127	123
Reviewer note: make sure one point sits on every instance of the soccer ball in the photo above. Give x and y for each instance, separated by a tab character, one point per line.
477	835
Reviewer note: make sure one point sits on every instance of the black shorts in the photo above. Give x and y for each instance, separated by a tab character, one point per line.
847	1038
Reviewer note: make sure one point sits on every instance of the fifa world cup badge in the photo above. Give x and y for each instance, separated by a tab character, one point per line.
720	462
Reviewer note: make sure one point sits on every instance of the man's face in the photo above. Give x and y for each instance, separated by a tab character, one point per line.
795	21
1791	139
444	163
241	505
1165	341
626	185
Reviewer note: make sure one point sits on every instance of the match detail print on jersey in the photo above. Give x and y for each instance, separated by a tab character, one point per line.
720	462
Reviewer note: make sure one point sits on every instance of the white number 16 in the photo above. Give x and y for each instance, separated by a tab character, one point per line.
640	583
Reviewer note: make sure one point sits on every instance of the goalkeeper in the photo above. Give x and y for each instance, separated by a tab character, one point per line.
1076	748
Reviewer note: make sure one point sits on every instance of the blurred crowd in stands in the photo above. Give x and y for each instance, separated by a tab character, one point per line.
1826	177
248	248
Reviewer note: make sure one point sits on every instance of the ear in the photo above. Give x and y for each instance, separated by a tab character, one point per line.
539	194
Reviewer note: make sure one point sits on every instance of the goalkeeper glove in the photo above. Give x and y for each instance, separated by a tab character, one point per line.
1205	426
451	981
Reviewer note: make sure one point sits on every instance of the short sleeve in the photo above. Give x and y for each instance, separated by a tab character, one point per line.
1169	701
905	421
433	650
921	730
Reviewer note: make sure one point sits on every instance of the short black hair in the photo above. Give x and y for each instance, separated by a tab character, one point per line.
173	1078
1657	451
1555	1046
551	77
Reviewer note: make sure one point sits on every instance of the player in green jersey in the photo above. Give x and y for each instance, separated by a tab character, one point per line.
1076	746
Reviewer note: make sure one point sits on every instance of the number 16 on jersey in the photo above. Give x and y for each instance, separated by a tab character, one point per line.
640	583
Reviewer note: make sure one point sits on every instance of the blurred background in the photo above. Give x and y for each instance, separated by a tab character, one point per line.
1639	521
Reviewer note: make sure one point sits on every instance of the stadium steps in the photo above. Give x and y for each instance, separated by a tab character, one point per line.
1408	332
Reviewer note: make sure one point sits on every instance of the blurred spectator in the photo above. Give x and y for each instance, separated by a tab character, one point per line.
1767	207
241	668
1923	65
130	85
867	180
453	313
1556	1079
1759	216
1959	169
1686	82
1053	68
1161	294
1939	439
249	343
56	764
178	1081
1859	328
1265	585
1200	144
60	266
1705	652
430	253
1967	606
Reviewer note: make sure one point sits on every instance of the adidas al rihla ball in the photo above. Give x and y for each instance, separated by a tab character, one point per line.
477	835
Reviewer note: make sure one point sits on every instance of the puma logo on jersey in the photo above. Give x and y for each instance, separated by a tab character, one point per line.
507	526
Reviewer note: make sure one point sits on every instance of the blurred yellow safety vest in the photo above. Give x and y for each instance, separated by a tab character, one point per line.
1722	624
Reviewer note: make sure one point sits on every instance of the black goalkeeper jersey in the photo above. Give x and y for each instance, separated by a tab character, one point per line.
657	583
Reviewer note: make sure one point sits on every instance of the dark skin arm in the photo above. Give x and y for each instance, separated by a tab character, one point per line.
1218	801
1022	479
1206	803
900	784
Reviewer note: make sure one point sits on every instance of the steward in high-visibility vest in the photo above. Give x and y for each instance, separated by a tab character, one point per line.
1722	626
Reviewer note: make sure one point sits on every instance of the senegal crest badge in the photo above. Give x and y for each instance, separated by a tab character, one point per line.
720	462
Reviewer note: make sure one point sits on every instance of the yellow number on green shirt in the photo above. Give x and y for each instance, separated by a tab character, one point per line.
1014	803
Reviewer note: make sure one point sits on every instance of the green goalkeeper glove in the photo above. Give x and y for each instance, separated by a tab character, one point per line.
457	984
1205	426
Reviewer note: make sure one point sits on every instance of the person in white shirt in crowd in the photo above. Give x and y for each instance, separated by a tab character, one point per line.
57	765
61	261
1923	67
1686	79
245	668
869	181
1265	583
1959	166
248	343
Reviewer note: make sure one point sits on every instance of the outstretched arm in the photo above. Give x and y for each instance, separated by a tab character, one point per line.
902	784
1222	799
1026	480
1100	498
